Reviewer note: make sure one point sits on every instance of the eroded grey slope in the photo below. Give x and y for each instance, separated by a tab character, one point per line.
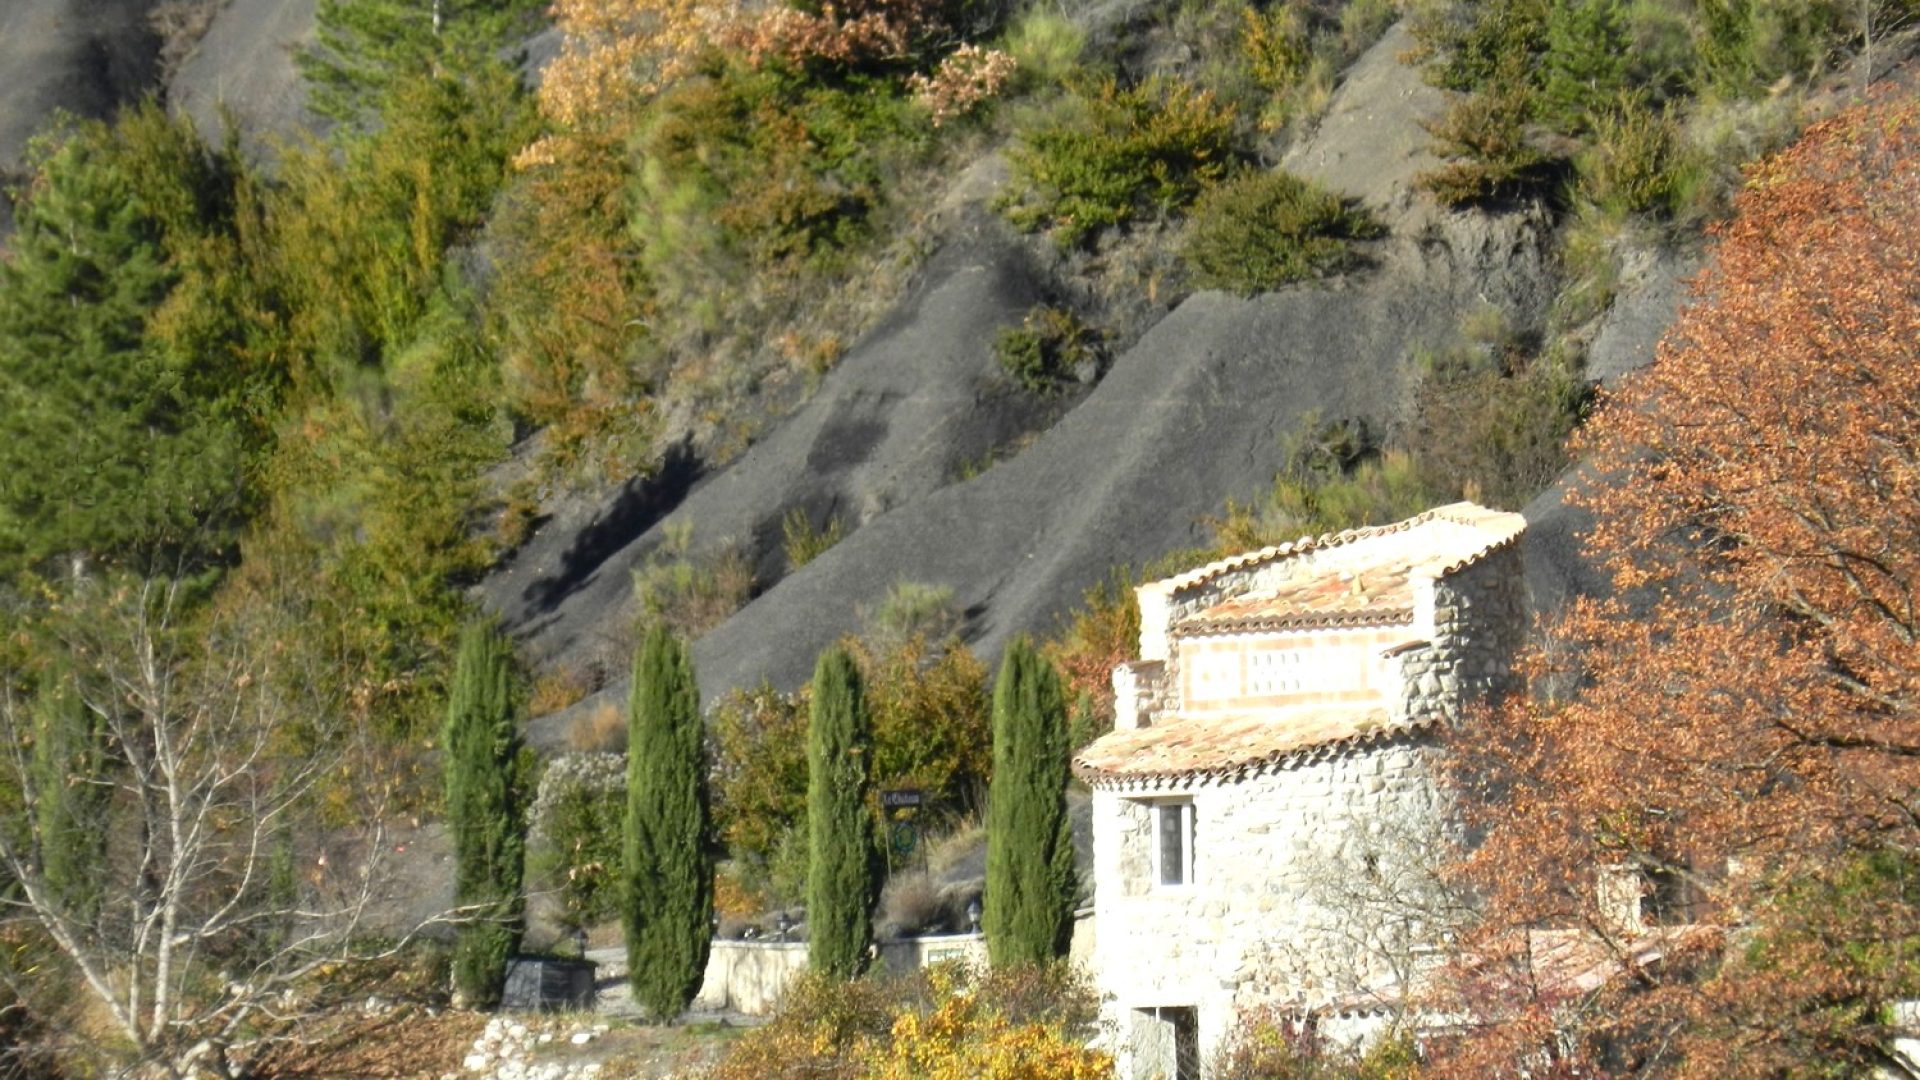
1190	416
77	56
916	405
245	66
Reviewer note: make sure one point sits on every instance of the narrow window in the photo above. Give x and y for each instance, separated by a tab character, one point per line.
1174	849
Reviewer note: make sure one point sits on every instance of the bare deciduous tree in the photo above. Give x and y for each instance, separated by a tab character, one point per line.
217	894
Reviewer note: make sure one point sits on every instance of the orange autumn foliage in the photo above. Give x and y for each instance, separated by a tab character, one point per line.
1744	717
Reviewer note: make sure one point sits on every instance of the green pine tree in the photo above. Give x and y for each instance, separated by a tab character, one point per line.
70	798
843	872
1586	63
1028	916
117	442
483	809
669	895
362	48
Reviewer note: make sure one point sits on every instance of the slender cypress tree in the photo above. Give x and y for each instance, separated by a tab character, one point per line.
843	872
669	896
484	811
1028	916
70	798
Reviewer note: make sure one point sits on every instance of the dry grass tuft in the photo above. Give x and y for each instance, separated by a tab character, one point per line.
602	731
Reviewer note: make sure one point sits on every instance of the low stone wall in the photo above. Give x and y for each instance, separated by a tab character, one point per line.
749	976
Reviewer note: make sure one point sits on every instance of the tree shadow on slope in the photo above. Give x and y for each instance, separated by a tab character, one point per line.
642	502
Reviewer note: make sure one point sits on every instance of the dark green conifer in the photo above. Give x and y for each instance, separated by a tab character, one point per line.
1028	916
70	799
483	810
843	873
114	444
362	48
669	894
1586	63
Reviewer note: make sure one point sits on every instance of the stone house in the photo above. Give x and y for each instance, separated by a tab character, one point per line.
1266	802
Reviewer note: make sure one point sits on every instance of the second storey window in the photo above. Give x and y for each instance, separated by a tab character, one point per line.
1173	843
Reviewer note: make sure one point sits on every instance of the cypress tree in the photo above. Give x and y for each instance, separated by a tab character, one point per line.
70	801
483	810
1028	916
668	906
843	871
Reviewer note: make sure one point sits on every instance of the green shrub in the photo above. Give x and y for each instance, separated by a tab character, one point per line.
1046	47
1589	248
801	542
1637	162
745	171
1275	46
1108	155
1484	137
1334	476
1262	230
912	609
1363	22
1492	416
1586	64
1479	45
687	593
1498	435
1042	352
1382	488
578	854
760	790
928	703
1745	45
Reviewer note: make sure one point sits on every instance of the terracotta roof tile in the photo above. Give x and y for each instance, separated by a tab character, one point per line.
1204	745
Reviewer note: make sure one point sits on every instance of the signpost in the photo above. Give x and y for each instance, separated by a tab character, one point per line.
903	835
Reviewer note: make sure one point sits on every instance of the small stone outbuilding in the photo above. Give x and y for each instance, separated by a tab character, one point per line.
1274	745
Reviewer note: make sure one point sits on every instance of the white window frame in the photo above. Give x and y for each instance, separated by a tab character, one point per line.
1184	808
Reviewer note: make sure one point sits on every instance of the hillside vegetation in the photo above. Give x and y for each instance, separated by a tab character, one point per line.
271	424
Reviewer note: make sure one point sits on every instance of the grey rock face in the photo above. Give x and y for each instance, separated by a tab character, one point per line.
78	56
1192	414
245	66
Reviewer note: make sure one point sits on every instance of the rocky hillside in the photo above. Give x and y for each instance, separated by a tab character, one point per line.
944	474
1192	414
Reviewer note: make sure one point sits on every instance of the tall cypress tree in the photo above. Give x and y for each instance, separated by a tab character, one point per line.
1028	916
669	895
843	871
483	810
70	798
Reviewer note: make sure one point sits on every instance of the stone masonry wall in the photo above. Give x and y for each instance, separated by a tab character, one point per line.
1479	621
1268	853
